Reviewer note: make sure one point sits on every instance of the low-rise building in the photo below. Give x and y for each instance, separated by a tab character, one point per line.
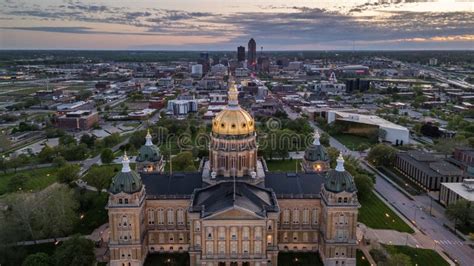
78	120
388	131
452	192
182	107
426	170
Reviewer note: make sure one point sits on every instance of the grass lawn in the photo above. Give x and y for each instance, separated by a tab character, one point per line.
299	258
403	182
172	259
361	260
353	141
418	256
37	179
92	207
283	165
375	214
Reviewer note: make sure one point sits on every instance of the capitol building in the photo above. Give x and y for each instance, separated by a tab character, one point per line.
233	211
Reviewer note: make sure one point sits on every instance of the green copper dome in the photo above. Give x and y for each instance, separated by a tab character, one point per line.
148	152
127	180
339	180
316	151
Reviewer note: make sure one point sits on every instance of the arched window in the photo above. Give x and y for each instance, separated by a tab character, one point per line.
197	226
161	216
315	216
296	216
151	216
170	216
286	216
180	214
209	233
305	216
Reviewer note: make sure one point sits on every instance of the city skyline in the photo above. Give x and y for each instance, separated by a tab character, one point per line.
213	25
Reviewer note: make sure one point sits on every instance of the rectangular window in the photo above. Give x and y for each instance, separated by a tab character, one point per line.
258	247
209	247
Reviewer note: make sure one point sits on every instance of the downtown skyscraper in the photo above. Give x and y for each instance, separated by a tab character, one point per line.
252	54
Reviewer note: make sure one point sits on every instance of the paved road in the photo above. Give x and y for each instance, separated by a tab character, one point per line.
418	212
415	210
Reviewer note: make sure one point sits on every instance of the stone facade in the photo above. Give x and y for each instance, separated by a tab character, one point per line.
239	221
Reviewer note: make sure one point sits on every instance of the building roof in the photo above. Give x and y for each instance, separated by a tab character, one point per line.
233	120
227	195
431	165
149	152
463	189
127	180
179	184
368	119
316	151
339	180
290	185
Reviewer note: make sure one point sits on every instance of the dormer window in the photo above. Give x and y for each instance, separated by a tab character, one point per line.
126	201
120	201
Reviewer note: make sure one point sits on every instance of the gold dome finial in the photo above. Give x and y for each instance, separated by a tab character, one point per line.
233	93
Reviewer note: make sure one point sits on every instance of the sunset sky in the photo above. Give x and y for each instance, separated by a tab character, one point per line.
223	24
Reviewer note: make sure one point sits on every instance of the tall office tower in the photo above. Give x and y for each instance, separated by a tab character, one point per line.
252	54
204	61
240	53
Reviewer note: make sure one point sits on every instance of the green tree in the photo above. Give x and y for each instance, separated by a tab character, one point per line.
111	140
46	155
333	153
89	140
381	154
99	177
68	173
76	251
56	212
38	259
107	156
17	182
364	185
183	161
15	163
59	161
324	140
66	140
137	139
461	212
379	255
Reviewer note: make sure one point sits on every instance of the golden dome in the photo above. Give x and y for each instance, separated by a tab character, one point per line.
233	121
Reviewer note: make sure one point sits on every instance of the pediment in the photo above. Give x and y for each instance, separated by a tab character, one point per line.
234	213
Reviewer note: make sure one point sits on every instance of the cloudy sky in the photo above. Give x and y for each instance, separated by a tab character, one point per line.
224	24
